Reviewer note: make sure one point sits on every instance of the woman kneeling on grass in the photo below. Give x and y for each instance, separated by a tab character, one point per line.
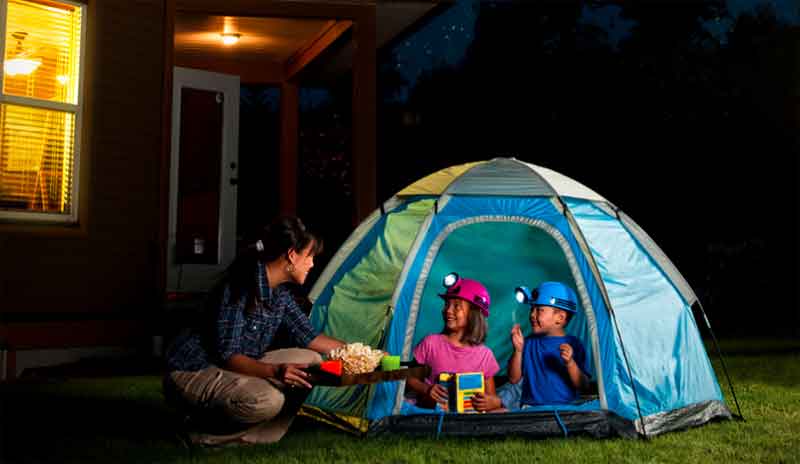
222	373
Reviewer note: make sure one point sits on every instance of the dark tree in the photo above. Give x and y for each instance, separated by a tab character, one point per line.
687	121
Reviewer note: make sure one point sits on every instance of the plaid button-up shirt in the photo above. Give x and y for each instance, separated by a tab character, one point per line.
240	331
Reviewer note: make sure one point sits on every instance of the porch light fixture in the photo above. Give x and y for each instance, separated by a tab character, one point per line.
230	38
22	63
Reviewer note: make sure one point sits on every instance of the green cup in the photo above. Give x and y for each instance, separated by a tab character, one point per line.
390	363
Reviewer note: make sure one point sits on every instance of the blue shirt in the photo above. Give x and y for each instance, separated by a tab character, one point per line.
544	376
237	330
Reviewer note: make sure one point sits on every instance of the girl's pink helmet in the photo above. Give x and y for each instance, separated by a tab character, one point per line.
467	290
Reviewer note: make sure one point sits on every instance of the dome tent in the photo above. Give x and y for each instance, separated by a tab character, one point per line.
509	223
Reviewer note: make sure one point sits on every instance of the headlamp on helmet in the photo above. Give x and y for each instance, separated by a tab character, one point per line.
523	295
468	290
553	294
450	280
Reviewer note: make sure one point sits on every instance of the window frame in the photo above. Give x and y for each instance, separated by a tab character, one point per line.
77	109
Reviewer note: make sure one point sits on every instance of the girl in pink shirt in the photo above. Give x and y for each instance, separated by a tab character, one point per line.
459	348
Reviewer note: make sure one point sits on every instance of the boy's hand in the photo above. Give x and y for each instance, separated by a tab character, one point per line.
486	402
566	353
517	339
438	393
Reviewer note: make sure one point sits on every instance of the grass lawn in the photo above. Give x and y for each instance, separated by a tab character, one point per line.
123	419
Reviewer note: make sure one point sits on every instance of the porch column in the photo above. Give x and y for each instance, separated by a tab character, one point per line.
289	112
364	113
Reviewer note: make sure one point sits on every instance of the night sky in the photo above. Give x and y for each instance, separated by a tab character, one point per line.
683	114
444	41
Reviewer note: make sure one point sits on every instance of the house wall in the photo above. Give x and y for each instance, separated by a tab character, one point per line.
97	284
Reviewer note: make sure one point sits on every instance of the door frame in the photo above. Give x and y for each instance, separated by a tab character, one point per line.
200	277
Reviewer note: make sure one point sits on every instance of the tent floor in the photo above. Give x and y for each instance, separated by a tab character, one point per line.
545	424
528	424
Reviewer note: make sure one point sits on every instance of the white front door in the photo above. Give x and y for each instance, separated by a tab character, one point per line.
203	172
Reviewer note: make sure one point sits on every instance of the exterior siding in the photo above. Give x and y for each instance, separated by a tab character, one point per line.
108	269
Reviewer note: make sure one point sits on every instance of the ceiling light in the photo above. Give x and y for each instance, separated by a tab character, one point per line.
22	66
230	38
22	63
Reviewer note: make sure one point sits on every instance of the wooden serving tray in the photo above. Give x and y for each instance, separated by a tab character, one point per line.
320	377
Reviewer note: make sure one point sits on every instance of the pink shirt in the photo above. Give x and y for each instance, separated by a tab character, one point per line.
443	356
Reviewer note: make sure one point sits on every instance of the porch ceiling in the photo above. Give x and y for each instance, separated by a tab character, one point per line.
262	39
278	39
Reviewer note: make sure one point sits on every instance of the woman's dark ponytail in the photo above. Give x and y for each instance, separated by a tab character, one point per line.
283	234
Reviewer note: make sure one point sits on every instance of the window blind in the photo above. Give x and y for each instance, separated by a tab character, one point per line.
45	37
39	108
36	158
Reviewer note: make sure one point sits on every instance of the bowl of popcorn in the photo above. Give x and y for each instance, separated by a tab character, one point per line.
357	358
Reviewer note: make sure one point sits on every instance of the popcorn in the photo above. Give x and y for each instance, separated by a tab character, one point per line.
357	358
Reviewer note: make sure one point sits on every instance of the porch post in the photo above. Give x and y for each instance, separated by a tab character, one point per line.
364	113
166	149
289	113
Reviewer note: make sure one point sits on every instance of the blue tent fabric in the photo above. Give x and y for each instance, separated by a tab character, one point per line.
670	371
592	405
645	352
492	209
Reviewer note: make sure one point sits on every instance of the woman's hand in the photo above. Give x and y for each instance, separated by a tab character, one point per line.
293	375
437	393
517	339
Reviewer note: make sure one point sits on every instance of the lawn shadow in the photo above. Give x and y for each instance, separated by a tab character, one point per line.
43	424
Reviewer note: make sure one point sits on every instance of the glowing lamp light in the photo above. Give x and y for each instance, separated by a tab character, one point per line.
62	79
523	295
450	280
229	38
22	66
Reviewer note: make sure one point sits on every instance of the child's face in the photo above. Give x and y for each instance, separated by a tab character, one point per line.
455	312
546	319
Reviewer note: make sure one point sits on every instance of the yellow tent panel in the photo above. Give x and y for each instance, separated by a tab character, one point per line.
437	183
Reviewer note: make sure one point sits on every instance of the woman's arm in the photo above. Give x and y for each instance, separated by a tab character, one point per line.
299	326
324	344
289	374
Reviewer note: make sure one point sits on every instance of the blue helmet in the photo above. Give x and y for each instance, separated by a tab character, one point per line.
553	294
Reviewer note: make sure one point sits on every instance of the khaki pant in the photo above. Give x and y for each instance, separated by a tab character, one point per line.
236	408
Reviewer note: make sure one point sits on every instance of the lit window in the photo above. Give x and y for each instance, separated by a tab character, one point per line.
40	110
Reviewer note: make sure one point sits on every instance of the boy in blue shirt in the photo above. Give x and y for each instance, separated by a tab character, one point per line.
550	363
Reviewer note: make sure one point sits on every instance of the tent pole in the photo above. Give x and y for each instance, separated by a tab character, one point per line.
630	372
386	318
722	360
